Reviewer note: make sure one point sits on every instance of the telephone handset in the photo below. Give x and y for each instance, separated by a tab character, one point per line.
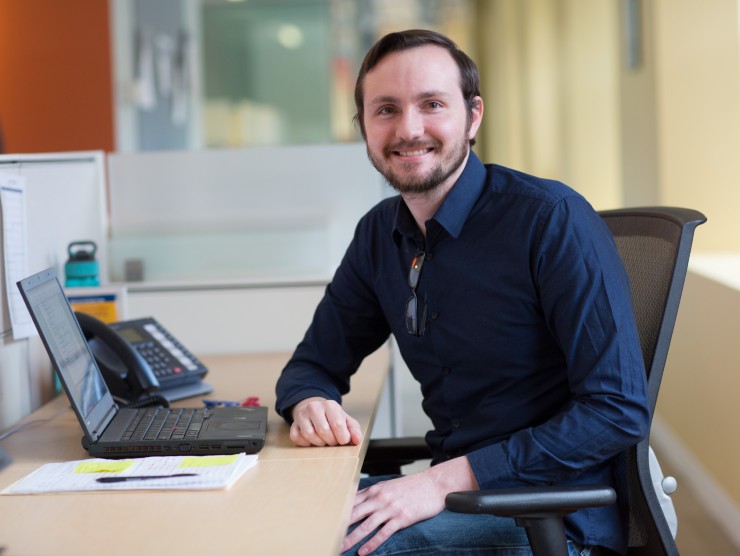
139	357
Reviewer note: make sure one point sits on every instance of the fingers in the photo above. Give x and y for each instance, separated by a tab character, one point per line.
373	511
321	422
388	506
355	431
297	437
364	529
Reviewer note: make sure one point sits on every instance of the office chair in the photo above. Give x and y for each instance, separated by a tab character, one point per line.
654	244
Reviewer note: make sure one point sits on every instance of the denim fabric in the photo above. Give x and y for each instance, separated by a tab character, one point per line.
452	533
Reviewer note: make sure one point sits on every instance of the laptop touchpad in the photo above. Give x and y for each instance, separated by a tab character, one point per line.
231	429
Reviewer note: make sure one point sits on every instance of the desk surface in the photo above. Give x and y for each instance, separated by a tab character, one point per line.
296	500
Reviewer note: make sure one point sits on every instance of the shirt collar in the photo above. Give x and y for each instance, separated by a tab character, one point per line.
456	207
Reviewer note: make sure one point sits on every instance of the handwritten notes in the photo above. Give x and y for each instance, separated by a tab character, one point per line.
202	473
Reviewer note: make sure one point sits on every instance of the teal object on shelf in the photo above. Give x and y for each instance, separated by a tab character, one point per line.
81	269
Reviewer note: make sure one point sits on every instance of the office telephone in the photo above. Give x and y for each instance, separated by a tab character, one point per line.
139	358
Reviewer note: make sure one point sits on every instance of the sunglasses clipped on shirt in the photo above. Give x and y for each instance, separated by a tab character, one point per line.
415	325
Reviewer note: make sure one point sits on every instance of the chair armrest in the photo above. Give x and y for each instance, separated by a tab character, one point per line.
386	455
523	501
539	510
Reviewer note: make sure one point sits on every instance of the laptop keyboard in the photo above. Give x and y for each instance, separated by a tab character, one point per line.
165	424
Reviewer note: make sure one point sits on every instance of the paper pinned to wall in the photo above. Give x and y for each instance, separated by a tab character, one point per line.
15	250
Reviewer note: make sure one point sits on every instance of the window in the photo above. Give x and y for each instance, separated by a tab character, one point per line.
218	73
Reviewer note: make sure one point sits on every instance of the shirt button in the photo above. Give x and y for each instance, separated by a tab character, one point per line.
446	370
428	256
455	424
435	314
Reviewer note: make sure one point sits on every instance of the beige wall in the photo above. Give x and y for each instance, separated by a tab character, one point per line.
561	102
639	139
698	87
551	86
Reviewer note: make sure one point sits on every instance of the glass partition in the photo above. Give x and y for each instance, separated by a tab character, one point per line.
217	73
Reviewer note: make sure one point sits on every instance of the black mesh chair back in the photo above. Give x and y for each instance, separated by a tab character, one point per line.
654	244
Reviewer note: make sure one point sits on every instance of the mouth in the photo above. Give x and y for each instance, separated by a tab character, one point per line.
412	153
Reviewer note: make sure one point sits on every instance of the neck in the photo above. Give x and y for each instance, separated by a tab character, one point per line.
423	206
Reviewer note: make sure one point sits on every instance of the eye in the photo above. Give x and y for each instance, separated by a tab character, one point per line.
386	110
434	105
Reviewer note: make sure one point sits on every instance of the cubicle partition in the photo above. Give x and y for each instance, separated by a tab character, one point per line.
231	215
697	413
61	198
233	248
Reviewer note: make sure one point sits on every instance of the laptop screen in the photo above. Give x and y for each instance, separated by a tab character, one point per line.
68	350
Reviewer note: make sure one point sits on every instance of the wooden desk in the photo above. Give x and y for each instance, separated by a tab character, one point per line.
296	500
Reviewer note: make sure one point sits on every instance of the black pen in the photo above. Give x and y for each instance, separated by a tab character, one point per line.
142	477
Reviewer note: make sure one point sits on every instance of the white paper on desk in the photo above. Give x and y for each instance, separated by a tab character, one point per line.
212	472
15	249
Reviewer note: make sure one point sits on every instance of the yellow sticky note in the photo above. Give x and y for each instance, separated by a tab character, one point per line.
103	466
208	461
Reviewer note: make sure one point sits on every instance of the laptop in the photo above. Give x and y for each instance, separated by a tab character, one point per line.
114	432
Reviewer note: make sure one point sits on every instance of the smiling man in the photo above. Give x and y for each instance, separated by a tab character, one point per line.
508	302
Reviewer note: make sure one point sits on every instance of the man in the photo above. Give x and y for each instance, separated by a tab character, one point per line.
508	301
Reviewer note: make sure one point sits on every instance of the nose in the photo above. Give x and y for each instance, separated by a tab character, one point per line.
411	125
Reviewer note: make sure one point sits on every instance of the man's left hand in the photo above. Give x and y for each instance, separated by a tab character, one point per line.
398	503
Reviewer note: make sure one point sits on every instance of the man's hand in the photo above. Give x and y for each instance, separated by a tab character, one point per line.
321	422
396	504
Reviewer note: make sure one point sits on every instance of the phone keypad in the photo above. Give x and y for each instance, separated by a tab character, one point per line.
169	360
161	363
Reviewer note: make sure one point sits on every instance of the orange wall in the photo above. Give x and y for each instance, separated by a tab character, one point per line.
55	76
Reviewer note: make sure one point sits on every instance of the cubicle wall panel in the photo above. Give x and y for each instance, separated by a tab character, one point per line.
238	214
699	400
65	200
231	320
14	392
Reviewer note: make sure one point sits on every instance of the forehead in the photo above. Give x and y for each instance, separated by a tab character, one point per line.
411	71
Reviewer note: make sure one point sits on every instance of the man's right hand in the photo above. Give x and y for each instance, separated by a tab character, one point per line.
321	422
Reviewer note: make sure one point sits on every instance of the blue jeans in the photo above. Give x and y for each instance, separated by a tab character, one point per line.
453	533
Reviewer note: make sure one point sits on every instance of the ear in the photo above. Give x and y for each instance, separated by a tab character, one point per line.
476	117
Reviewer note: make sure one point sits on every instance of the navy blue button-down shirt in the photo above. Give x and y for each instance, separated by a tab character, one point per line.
529	363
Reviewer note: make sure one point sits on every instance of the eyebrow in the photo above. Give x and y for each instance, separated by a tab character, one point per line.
383	99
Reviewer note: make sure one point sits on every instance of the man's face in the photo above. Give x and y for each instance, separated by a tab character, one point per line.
416	121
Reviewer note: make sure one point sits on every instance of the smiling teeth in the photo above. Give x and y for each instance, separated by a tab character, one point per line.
412	153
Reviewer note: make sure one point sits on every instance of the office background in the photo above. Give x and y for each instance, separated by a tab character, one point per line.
631	102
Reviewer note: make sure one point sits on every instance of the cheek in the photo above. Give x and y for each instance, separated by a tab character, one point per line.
453	129
377	137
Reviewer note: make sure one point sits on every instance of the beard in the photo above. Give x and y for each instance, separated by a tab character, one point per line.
429	181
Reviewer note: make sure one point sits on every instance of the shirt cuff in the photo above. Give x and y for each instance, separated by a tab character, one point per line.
491	467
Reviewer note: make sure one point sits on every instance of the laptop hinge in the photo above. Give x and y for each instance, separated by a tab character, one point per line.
104	422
